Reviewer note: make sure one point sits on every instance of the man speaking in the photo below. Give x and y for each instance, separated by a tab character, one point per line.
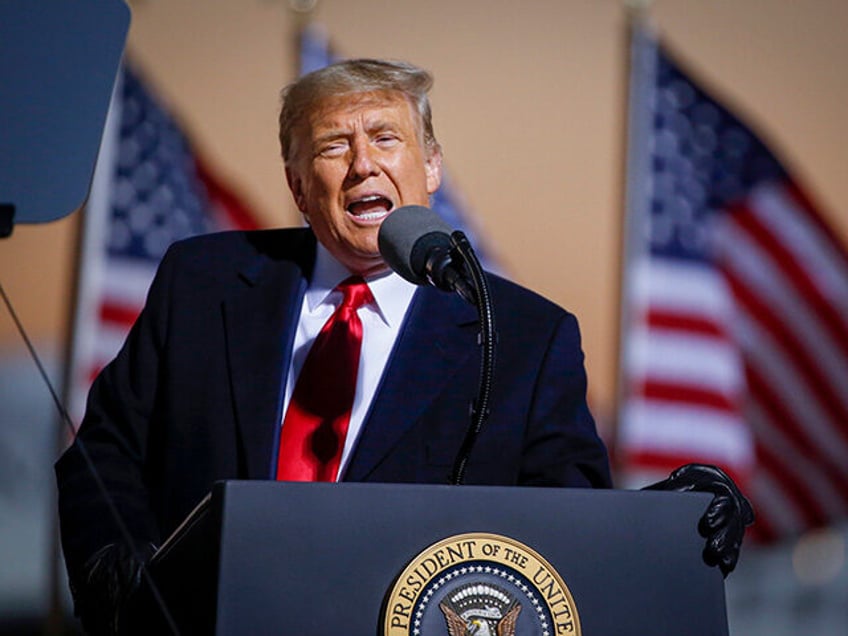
297	354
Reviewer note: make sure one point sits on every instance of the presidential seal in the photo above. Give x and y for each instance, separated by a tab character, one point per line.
479	584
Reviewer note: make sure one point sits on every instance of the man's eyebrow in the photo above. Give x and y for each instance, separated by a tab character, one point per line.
382	124
341	132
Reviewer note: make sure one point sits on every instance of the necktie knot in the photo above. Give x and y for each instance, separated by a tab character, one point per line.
356	293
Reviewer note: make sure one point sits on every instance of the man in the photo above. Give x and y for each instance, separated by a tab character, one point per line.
208	385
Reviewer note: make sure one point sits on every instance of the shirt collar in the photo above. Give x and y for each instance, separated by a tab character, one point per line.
392	294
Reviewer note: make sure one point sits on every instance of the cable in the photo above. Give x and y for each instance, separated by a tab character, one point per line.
113	510
488	342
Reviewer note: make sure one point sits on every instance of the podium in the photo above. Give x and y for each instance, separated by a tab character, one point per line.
322	559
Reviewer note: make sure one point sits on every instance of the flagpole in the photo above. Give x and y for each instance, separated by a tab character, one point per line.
88	229
303	13
55	619
637	19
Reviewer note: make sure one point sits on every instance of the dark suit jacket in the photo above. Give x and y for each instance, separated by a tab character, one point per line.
195	394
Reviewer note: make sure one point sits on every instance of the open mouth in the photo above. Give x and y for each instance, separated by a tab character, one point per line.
370	208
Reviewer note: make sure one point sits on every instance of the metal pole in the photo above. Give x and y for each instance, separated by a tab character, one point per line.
632	198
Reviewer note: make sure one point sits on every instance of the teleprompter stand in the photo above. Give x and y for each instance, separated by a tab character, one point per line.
319	559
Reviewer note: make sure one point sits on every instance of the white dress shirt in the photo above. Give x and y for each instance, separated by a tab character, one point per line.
381	323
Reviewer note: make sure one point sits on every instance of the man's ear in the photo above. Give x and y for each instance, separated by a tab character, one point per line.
433	168
296	186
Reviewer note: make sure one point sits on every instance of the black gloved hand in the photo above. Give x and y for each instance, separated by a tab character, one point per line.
109	579
723	524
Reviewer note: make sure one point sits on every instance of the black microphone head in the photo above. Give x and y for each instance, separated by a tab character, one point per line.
408	232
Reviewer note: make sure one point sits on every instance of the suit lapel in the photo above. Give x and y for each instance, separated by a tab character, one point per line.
432	346
260	320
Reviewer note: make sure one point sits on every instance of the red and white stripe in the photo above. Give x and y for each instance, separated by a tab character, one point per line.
746	365
111	291
789	280
684	376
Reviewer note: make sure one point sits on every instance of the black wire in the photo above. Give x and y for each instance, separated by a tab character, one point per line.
480	407
113	511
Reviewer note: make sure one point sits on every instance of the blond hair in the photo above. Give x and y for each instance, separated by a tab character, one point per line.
351	77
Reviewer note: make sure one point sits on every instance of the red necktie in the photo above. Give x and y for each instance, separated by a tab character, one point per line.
315	425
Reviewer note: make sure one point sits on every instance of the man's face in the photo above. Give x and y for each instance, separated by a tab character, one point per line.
355	159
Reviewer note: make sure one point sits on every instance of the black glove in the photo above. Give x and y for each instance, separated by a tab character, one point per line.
723	524
109	579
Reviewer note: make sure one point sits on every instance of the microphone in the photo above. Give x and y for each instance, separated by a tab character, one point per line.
416	243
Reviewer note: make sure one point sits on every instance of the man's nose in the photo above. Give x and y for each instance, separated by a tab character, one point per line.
364	161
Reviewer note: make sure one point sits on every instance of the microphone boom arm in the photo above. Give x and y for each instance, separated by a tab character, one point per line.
488	342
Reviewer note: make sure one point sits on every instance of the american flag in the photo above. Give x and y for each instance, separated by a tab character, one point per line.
150	189
316	52
735	297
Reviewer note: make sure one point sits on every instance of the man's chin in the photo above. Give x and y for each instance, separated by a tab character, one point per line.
371	267
363	263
